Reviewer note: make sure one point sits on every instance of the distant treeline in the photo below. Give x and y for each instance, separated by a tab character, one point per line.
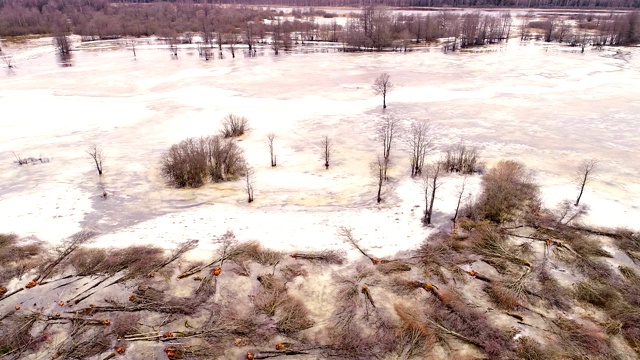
369	28
583	4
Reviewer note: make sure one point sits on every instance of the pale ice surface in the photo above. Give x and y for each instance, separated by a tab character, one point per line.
546	106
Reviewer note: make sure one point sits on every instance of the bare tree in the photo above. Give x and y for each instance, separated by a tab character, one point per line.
7	60
62	43
133	47
584	170
379	169
96	153
461	189
270	138
419	143
249	181
430	183
387	131
381	86
327	147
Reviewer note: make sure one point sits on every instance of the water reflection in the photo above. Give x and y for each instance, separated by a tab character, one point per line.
65	60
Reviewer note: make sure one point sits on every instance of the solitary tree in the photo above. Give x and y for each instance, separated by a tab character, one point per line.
430	183
378	169
584	170
270	138
388	129
381	86
249	182
454	219
96	153
327	147
419	143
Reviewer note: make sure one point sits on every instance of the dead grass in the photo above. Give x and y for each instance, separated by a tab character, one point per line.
414	337
403	286
292	271
496	250
393	267
16	335
293	316
505	298
452	316
254	251
326	256
16	260
629	242
551	291
125	324
581	342
585	246
529	349
599	295
271	295
139	260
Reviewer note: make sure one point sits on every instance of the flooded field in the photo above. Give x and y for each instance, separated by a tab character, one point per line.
547	106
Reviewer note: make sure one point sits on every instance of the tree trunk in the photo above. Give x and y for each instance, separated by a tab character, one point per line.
584	181
380	187
433	197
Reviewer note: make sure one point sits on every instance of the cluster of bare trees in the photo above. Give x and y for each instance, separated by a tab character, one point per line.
532	4
191	162
592	29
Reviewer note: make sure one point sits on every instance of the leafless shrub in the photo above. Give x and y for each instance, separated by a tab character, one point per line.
494	246
508	191
125	324
64	251
96	153
292	316
254	251
504	297
87	261
271	294
84	342
462	159
234	126
290	272
452	314
139	260
193	161
16	335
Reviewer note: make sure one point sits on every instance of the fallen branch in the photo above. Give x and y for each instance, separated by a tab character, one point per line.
326	256
75	241
348	237
11	294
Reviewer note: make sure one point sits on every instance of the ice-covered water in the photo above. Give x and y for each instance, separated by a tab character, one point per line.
549	107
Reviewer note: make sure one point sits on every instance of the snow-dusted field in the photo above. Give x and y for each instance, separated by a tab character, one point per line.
546	106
